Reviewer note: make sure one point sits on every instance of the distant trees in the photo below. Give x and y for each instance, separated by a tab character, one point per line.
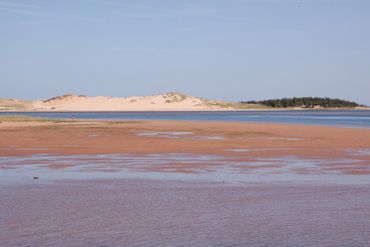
305	102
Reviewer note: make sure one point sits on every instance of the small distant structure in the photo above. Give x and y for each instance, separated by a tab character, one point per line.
312	107
306	106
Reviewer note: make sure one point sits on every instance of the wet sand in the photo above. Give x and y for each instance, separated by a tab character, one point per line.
246	142
183	183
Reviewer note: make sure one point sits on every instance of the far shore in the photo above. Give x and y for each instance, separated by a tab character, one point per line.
187	110
166	102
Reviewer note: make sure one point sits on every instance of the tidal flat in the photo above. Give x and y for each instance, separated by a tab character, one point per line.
169	183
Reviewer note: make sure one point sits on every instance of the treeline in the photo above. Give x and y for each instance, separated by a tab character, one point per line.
305	102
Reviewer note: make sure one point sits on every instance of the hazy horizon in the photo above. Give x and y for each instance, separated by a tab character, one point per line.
227	50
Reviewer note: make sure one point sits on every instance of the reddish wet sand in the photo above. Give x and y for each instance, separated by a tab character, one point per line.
261	141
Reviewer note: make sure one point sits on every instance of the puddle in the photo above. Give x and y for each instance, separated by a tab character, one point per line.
242	150
278	138
179	134
164	134
359	152
208	137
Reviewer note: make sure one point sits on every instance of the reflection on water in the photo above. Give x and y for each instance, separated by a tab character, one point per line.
237	150
346	118
178	134
277	138
184	199
164	134
362	152
184	166
159	213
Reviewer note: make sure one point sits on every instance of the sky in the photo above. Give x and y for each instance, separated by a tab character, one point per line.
219	49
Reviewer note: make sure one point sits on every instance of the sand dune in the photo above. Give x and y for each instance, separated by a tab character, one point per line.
14	104
160	102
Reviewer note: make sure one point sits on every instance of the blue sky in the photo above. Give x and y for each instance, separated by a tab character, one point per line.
220	49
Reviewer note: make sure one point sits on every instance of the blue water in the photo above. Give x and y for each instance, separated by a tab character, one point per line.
341	118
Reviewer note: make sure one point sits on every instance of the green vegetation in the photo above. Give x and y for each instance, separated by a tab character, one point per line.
21	118
306	102
232	105
11	104
12	107
175	97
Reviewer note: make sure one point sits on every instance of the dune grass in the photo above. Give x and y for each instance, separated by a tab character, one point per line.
22	118
12	104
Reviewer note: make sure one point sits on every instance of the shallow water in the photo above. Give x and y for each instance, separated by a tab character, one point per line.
342	118
178	135
185	167
162	213
183	199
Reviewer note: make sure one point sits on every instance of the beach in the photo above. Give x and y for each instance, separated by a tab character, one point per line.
174	183
239	123
248	141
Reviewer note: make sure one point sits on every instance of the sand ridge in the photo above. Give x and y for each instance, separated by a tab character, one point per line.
160	102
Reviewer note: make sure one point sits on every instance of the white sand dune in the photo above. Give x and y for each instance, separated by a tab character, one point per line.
160	102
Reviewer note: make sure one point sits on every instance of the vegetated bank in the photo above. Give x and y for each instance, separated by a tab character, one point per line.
306	102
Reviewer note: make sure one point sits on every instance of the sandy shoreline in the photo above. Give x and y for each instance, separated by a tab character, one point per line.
247	142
